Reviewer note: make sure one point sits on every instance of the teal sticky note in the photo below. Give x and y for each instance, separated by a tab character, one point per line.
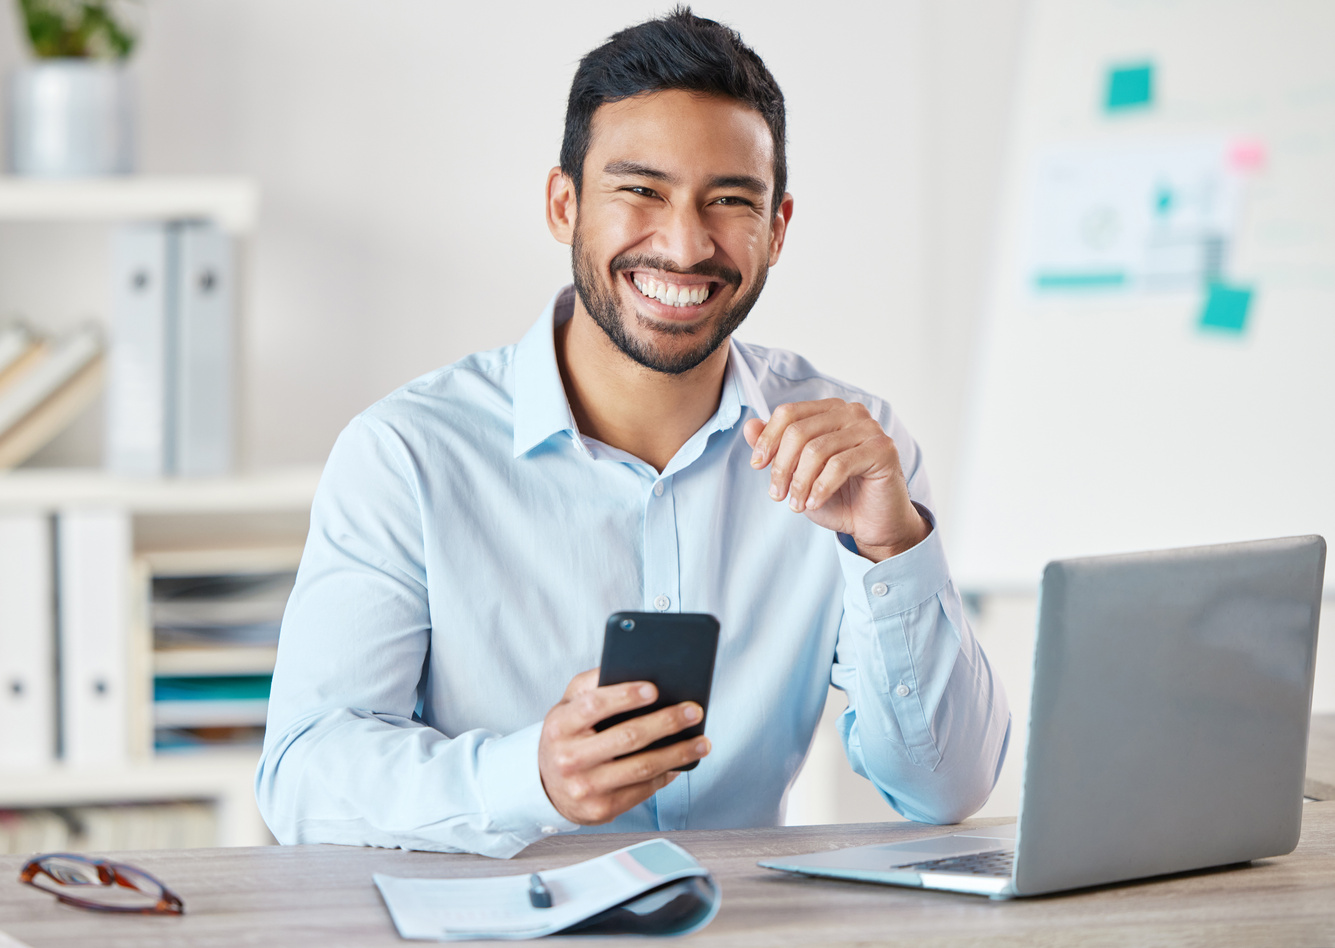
1130	87
1226	308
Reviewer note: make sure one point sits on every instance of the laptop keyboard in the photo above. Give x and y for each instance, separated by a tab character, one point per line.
999	862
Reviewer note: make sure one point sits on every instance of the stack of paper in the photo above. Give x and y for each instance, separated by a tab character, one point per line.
220	609
654	887
214	635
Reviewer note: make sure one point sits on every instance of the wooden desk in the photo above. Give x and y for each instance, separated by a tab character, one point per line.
1321	758
323	895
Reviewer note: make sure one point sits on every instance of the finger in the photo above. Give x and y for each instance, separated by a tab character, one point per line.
610	806
584	711
752	429
871	457
584	681
646	766
768	440
812	461
627	737
798	433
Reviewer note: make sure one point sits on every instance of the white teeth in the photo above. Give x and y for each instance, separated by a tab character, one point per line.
671	293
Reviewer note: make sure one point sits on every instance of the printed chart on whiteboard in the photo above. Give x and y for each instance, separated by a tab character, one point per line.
1138	218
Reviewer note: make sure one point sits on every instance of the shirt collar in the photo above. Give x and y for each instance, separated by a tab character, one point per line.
542	409
740	377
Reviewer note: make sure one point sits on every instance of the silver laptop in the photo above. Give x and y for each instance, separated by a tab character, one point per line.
1172	693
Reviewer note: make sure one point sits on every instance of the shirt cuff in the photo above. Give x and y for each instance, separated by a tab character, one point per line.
512	788
898	584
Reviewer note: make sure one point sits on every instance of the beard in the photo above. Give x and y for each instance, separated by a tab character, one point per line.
603	306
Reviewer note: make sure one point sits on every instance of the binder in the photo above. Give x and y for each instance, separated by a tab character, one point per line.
27	642
93	608
203	375
170	395
138	385
54	389
17	345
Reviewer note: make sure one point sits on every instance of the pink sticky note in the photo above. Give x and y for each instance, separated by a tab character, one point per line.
1247	155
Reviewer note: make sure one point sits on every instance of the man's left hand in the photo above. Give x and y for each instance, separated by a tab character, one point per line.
835	463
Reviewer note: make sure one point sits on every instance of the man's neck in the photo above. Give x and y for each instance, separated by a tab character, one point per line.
627	406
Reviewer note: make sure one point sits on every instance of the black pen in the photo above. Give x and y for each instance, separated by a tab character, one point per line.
539	895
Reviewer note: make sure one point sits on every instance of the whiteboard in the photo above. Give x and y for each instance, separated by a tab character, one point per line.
1111	412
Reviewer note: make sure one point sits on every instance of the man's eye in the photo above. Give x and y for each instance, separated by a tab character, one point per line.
732	200
642	190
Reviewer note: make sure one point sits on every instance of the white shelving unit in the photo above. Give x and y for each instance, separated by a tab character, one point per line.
233	202
226	780
55	488
177	526
206	524
239	660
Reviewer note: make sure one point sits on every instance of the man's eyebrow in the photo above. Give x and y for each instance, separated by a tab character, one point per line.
742	182
625	168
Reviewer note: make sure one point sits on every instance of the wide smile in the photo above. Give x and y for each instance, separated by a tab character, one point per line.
670	295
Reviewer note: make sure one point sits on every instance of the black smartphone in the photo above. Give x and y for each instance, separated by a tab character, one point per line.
674	650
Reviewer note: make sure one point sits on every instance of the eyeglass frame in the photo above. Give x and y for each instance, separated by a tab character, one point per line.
108	874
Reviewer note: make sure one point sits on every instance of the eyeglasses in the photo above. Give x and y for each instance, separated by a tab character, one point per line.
68	869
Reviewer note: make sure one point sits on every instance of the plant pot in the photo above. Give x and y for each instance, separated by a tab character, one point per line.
69	118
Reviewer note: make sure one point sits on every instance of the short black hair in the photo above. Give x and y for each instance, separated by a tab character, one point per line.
677	51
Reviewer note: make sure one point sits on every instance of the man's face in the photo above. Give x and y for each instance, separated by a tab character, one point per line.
675	229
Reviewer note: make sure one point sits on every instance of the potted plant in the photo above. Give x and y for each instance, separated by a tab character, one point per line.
71	111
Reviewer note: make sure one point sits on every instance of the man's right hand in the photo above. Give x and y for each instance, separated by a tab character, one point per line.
578	765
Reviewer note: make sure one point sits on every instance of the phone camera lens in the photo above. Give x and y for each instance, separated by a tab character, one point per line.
627	624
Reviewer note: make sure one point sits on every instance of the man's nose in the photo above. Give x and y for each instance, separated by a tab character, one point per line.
684	237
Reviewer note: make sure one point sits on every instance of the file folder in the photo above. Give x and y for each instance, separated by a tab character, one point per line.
203	376
93	562
27	642
650	888
138	382
171	390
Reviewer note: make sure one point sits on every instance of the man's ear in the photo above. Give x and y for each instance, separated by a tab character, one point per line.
779	227
561	206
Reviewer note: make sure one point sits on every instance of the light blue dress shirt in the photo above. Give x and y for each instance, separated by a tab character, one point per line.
466	547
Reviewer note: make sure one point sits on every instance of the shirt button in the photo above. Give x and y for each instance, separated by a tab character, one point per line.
658	489
879	589
661	603
902	690
548	830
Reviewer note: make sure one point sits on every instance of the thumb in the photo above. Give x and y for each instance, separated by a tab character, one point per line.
751	430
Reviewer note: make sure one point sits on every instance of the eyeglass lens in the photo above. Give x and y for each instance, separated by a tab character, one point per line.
110	884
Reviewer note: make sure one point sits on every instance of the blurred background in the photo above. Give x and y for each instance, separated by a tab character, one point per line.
401	152
396	153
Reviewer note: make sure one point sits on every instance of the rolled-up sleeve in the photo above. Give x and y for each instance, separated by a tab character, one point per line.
346	759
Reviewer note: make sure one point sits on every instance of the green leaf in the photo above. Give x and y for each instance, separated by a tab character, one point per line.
80	29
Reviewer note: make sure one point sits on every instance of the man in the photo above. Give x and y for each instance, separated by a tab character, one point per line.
473	530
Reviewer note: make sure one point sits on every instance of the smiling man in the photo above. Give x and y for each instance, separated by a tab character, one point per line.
472	531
